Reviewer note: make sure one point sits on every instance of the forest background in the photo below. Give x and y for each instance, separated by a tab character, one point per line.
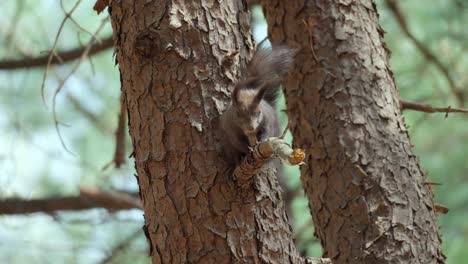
429	45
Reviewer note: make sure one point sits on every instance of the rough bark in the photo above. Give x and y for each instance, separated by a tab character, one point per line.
365	187
178	60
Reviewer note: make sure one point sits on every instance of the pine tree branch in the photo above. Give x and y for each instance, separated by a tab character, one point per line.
270	148
90	198
62	57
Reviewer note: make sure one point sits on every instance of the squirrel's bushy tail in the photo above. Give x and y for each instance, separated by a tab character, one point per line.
271	65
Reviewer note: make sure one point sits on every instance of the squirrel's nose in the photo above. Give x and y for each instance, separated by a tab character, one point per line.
249	130
252	137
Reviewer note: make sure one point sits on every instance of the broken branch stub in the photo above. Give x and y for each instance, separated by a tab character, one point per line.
265	151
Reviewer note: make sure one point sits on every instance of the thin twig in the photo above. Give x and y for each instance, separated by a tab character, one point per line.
53	52
395	9
288	125
78	25
90	58
441	209
405	105
262	42
61	85
433	183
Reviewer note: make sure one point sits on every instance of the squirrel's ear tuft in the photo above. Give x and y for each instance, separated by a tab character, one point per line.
259	96
250	84
235	93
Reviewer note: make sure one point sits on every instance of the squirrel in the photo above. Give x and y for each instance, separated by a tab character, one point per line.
251	116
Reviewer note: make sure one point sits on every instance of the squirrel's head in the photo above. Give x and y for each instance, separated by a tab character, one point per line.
246	99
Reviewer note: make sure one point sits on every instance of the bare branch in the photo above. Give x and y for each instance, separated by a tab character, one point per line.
65	56
89	198
405	105
119	154
273	147
395	9
111	198
253	162
440	209
53	50
69	15
61	85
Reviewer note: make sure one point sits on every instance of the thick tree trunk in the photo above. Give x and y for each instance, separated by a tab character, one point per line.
365	187
178	60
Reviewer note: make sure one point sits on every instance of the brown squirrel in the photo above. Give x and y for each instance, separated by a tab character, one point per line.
251	116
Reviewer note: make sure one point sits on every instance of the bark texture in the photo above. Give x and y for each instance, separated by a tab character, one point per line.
365	186
178	61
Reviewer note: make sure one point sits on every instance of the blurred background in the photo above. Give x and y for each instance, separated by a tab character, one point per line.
429	45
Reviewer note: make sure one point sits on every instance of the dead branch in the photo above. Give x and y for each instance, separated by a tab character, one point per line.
65	56
61	85
398	14
53	51
90	198
119	154
432	183
69	15
253	162
272	147
407	105
440	209
102	197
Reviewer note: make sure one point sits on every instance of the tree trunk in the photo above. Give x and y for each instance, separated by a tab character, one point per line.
178	61
366	190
